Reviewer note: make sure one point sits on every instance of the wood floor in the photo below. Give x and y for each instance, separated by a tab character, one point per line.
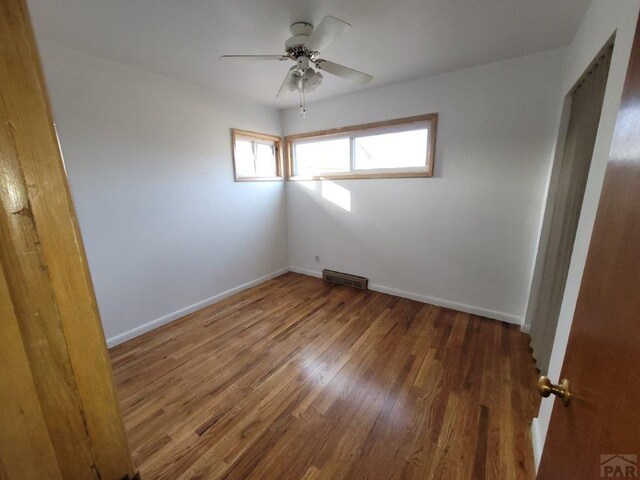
299	379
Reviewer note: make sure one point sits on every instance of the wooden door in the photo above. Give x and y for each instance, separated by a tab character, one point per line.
598	434
59	415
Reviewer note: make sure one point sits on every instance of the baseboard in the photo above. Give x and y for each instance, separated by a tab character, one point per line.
525	328
310	273
158	322
536	441
440	302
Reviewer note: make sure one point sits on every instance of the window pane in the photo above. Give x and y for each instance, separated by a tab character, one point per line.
244	159
392	150
325	156
265	160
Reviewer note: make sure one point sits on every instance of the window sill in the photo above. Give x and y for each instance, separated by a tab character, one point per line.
259	179
361	176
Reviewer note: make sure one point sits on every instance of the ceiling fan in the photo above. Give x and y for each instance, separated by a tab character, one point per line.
304	48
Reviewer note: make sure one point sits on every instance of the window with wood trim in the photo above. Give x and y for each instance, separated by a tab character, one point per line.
404	147
256	156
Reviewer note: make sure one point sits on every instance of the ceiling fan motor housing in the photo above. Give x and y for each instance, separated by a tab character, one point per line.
301	32
303	62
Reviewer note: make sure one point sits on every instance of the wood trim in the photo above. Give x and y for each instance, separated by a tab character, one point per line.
235	132
364	126
361	176
261	136
24	433
43	261
432	118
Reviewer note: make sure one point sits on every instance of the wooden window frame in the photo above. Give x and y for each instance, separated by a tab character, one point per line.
255	136
431	118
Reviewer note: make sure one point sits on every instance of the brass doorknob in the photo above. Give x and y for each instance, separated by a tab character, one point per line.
546	388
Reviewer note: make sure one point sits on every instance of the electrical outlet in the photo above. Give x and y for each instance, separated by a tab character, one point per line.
317	258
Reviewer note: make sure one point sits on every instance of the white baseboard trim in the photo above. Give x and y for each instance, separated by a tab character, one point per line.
310	273
525	328
158	322
536	441
484	312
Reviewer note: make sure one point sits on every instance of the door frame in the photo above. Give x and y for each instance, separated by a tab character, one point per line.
60	371
538	307
623	26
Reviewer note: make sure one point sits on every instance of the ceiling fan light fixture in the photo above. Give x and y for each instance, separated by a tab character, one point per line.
315	80
294	82
311	79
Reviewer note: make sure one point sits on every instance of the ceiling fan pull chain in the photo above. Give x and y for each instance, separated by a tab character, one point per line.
303	102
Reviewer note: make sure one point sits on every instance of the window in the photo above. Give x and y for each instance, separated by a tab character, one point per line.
397	148
256	156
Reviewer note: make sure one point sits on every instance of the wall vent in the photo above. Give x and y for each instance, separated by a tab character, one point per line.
347	279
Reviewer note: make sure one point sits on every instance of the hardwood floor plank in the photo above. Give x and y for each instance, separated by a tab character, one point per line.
480	457
299	379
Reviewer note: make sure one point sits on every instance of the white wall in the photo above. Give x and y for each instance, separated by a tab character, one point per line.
465	238
603	18
149	161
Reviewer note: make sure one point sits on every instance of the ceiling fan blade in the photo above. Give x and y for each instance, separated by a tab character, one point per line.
287	79
329	29
344	72
255	57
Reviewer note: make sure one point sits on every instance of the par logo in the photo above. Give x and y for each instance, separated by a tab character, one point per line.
618	466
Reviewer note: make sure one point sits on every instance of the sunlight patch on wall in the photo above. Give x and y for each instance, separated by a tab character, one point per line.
309	185
336	194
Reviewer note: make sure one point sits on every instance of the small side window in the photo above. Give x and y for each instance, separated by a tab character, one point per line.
256	156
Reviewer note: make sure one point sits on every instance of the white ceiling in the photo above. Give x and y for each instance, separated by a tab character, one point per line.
394	41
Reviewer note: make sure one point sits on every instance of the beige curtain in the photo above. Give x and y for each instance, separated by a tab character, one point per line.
568	182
